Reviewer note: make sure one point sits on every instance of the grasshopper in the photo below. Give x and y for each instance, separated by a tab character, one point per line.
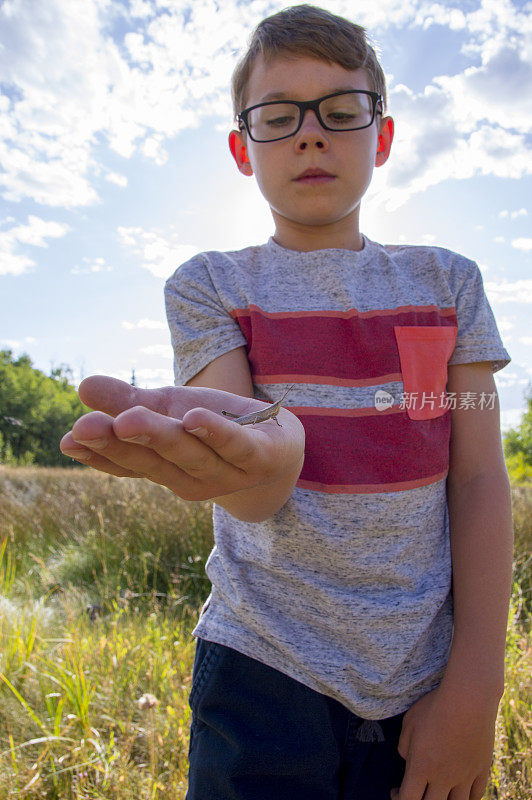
260	416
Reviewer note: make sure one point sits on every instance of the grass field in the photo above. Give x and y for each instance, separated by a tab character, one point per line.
101	582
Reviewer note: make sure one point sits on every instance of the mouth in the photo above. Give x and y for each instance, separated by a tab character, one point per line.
315	175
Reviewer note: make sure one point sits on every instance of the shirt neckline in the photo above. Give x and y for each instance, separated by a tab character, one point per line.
353	256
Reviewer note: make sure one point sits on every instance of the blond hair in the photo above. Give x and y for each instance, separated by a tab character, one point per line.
311	31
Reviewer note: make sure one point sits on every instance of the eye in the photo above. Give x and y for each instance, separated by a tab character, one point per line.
279	121
339	117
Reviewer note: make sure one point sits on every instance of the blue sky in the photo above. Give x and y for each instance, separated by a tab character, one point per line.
115	168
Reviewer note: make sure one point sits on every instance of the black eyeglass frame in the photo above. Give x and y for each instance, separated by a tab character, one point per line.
314	105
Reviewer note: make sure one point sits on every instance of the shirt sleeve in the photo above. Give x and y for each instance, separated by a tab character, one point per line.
478	337
201	327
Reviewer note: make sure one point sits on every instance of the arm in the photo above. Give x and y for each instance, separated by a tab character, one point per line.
480	515
260	502
177	437
448	735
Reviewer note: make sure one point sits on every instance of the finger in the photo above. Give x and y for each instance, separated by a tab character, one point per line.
167	437
95	432
479	786
439	792
462	793
69	447
248	447
403	745
186	466
217	442
224	455
112	396
94	427
413	785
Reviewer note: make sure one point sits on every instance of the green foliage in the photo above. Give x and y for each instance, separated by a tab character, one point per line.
517	445
36	411
518	469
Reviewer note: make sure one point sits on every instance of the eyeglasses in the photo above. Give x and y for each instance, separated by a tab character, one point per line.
340	111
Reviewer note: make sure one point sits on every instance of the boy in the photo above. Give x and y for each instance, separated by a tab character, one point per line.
326	664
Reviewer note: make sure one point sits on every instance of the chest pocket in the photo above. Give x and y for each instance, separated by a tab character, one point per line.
424	351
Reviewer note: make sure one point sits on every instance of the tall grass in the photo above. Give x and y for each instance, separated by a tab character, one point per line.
101	582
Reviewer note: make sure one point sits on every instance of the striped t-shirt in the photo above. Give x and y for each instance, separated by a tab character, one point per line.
347	588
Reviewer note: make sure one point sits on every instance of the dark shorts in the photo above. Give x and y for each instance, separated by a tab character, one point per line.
257	734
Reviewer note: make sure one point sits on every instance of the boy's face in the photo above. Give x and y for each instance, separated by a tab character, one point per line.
319	214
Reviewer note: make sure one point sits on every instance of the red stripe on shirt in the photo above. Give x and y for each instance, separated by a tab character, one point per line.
326	380
370	451
360	488
344	348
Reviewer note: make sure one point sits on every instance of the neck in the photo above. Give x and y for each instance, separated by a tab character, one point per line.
344	234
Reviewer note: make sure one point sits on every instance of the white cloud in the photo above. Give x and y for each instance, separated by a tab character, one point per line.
73	86
91	265
145	377
505	324
505	379
466	124
160	254
139	8
14	263
152	378
505	214
151	324
522	244
525	340
161	350
152	148
510	292
512	417
34	233
15	344
114	177
77	81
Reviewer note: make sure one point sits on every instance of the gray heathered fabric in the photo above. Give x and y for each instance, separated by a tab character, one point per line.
349	594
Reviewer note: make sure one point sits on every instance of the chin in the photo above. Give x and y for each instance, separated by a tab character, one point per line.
317	214
317	218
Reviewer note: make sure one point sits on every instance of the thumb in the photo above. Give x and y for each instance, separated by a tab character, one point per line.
112	396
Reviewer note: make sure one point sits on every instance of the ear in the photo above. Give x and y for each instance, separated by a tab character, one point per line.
238	150
386	131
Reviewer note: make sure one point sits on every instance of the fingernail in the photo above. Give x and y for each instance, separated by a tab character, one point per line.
198	431
97	444
78	455
143	438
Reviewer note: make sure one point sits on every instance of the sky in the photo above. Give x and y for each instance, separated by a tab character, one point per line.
115	166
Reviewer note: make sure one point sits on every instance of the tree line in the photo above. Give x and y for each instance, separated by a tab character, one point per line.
36	410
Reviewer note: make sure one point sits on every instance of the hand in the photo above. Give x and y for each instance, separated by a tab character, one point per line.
447	741
144	433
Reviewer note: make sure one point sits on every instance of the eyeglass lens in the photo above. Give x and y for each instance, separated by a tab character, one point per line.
341	112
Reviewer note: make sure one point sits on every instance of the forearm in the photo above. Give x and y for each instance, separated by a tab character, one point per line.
481	533
261	502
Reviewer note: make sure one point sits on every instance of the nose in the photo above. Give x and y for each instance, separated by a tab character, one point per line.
311	132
